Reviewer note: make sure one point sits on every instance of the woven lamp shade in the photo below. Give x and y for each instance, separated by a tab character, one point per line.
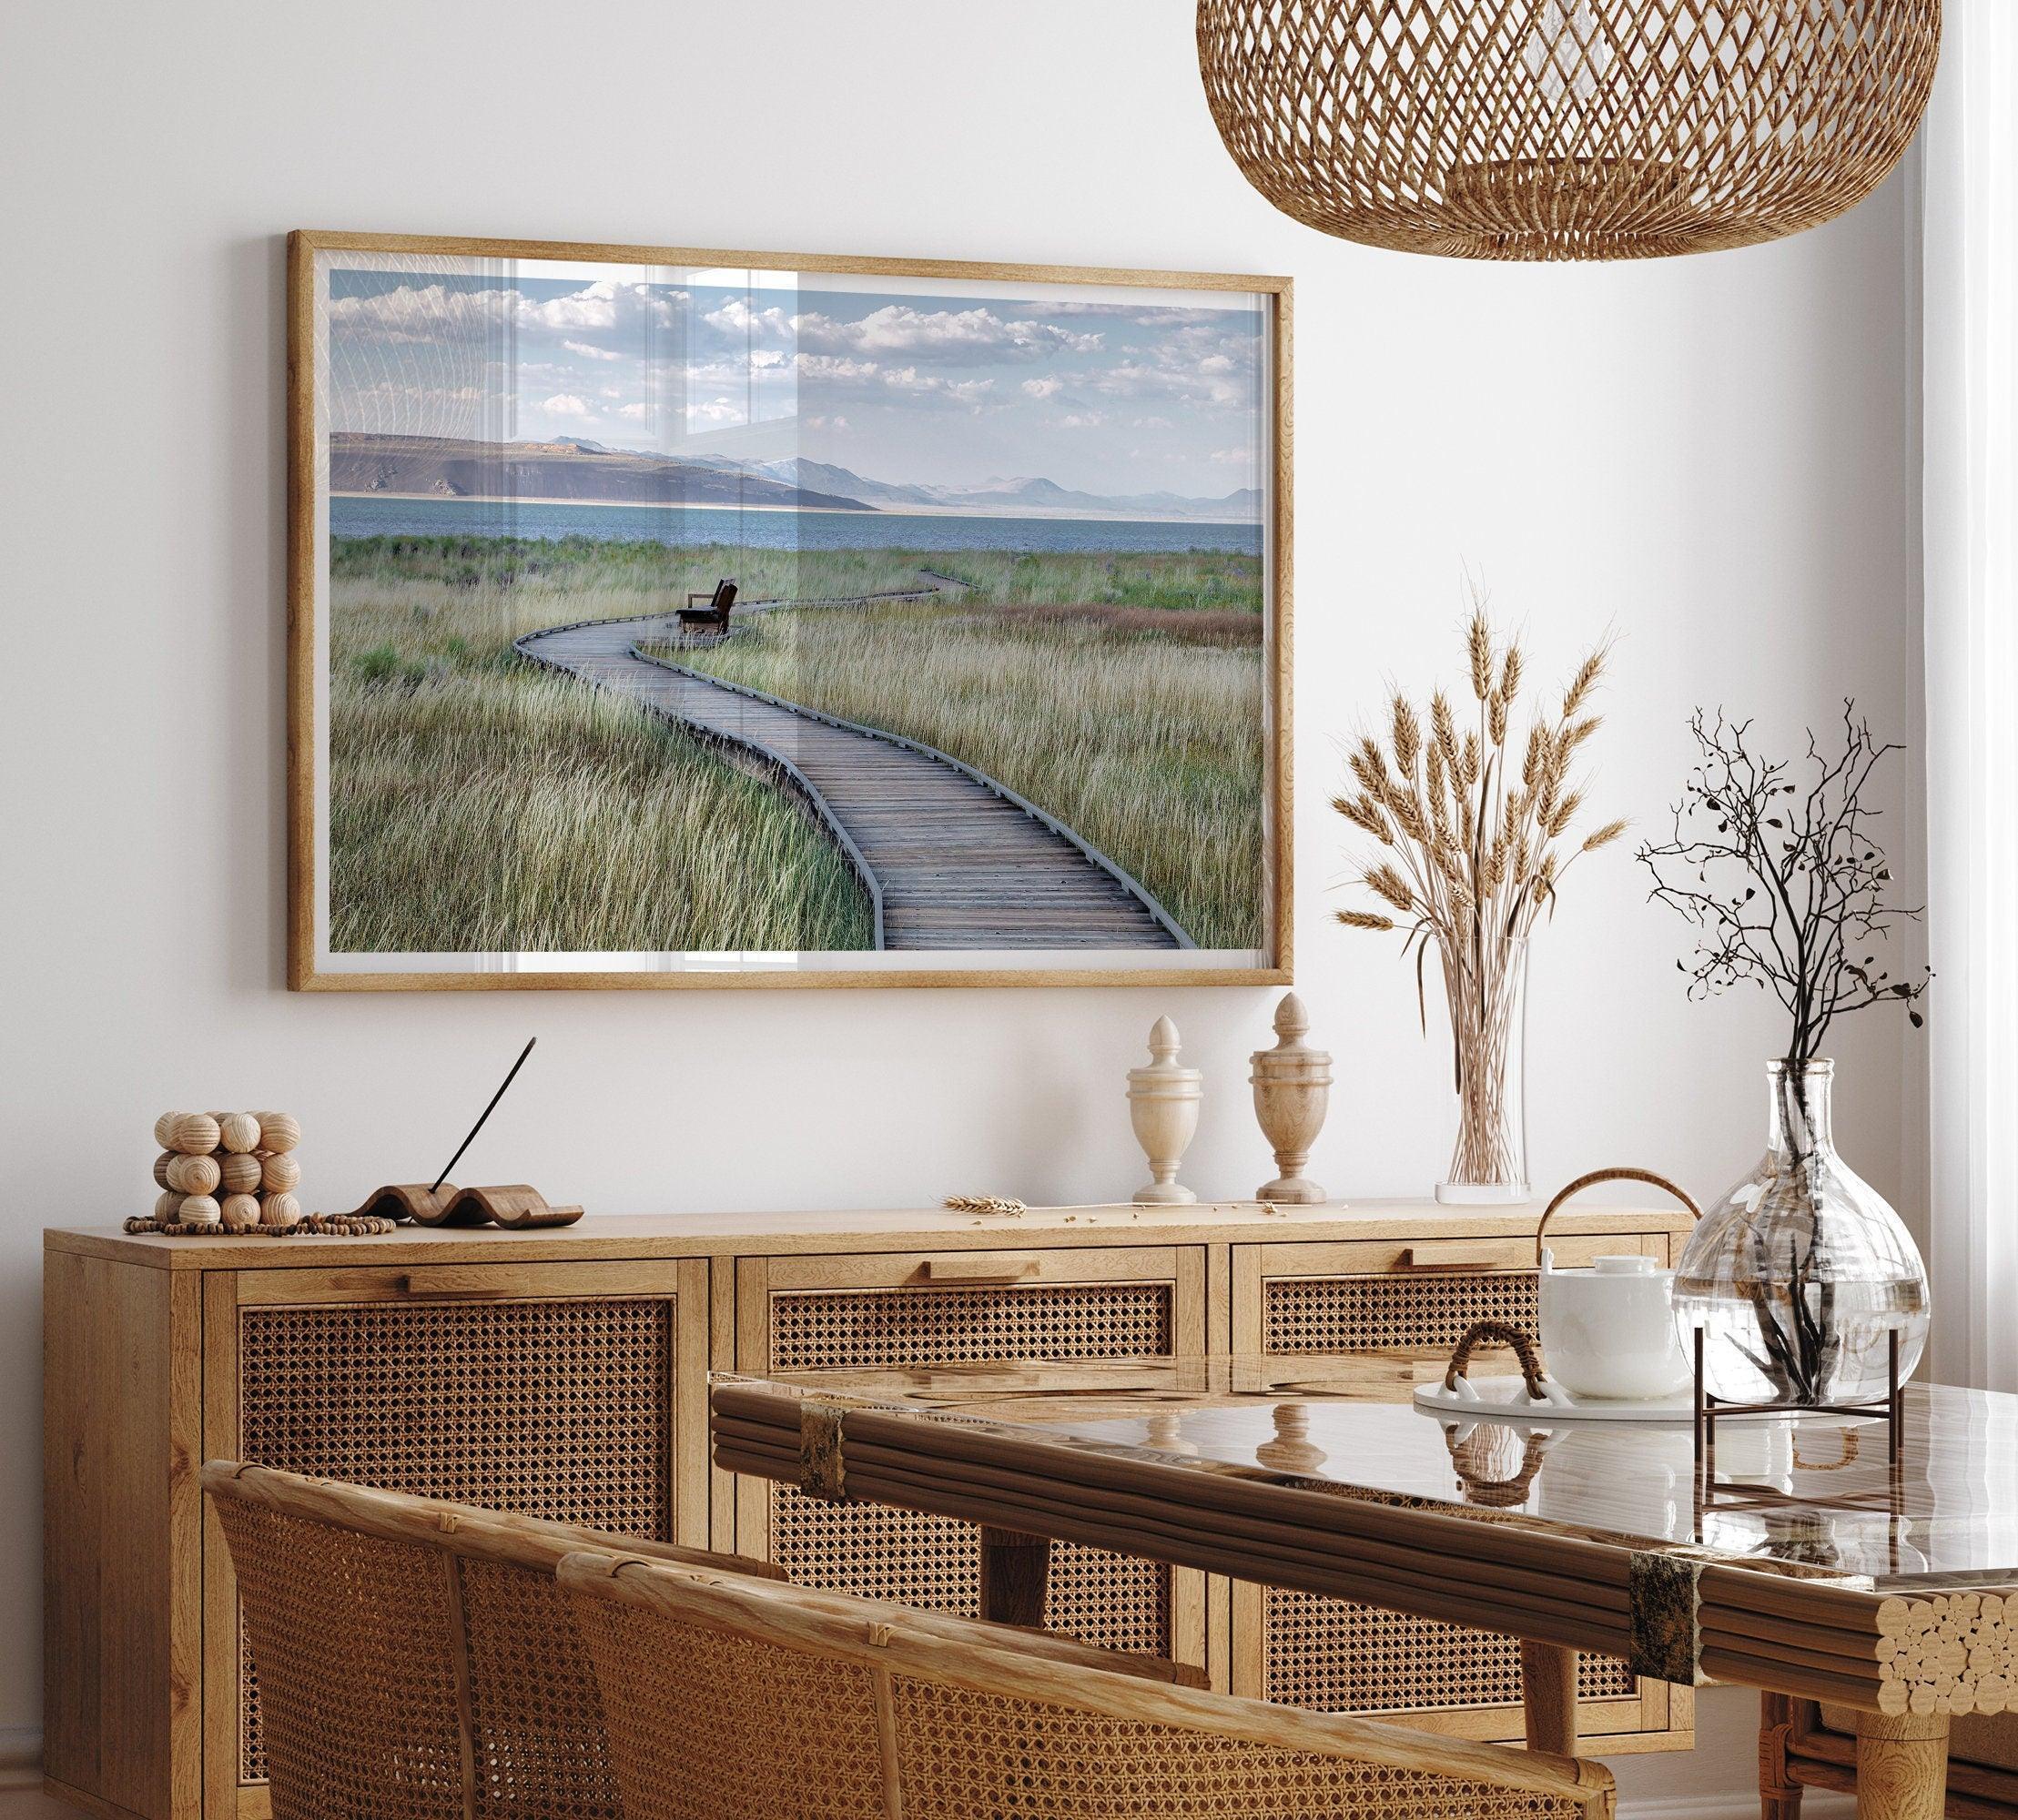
1567	129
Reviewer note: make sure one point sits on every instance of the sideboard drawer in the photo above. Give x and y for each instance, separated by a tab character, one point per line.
917	1308
572	1391
1409	1303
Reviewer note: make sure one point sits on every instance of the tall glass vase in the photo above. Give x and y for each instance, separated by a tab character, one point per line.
1799	1274
1486	992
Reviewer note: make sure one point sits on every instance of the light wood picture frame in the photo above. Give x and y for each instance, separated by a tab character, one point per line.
660	617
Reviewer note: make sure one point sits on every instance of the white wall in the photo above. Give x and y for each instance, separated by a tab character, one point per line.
1707	457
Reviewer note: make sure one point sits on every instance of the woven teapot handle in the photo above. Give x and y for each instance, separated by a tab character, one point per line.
1495	1493
1525	1349
1591	1181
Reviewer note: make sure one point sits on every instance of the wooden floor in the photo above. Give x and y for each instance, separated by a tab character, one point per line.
31	1804
960	864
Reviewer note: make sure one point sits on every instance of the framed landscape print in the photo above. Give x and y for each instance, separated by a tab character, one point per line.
673	618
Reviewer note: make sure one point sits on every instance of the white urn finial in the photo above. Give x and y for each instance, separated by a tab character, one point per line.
1293	1090
1162	1105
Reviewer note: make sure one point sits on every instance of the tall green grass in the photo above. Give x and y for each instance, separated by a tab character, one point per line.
1149	749
478	804
663	576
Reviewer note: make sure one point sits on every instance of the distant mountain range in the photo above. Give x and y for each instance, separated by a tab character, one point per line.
591	473
1022	494
450	467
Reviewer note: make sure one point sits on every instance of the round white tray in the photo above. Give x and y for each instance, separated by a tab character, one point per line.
1506	1399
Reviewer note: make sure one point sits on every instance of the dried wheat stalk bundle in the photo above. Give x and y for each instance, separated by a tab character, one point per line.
1478	833
995	1204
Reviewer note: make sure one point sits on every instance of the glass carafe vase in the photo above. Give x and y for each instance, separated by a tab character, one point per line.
1801	1272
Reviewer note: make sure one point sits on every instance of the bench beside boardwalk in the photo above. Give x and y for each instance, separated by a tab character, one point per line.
954	859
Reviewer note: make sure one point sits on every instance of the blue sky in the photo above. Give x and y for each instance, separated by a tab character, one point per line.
1114	392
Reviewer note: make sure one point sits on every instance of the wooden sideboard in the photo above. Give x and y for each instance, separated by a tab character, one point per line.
564	1374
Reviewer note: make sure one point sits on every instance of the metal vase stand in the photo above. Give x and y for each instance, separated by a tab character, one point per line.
1711	1494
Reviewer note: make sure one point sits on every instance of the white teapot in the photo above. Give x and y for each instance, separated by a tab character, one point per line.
1610	1332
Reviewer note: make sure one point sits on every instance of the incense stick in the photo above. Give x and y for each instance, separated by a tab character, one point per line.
481	1116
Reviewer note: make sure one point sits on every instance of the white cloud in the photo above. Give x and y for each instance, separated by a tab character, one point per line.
1232	456
734	371
592	353
439	312
1043	389
975	334
1215	363
736	317
1132	379
565	404
1081	419
714	410
635	412
827	423
963	391
833	366
1153	316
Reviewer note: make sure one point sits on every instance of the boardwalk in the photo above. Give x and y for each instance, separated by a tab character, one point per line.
953	859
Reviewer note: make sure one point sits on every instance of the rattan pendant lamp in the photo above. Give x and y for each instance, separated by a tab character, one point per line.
1567	129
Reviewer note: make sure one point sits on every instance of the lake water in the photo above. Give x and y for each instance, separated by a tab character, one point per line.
687	525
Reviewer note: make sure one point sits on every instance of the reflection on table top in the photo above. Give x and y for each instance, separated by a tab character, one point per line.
1814	1490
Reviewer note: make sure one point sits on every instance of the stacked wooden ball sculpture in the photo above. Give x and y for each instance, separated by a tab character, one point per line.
231	1170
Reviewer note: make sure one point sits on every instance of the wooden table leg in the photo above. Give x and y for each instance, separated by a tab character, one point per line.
1778	1792
1901	1766
1015	1569
1548	1691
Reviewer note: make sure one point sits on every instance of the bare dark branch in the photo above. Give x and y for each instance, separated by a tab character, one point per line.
1787	886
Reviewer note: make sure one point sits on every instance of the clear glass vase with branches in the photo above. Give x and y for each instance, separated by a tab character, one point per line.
1477	834
1802	1273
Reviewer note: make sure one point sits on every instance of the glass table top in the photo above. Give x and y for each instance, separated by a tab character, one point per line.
1813	1490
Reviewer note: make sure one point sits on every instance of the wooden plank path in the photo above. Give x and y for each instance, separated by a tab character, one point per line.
951	858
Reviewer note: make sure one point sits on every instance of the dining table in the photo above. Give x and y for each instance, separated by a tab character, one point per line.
1866	1562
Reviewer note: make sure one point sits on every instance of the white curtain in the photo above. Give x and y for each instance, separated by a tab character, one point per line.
1970	160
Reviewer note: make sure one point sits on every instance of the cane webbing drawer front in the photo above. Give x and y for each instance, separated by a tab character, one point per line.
1342	1657
557	1408
879	1552
1401	1311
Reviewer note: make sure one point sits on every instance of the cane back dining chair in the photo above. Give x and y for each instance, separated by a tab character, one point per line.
415	1659
729	1696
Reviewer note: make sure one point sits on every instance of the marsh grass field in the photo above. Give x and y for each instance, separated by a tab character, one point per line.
480	803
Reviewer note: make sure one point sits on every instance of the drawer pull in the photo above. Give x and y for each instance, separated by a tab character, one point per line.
1451	1262
459	1292
995	1268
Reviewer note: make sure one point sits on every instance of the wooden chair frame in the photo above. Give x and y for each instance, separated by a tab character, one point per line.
466	1529
894	1640
1798	1750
